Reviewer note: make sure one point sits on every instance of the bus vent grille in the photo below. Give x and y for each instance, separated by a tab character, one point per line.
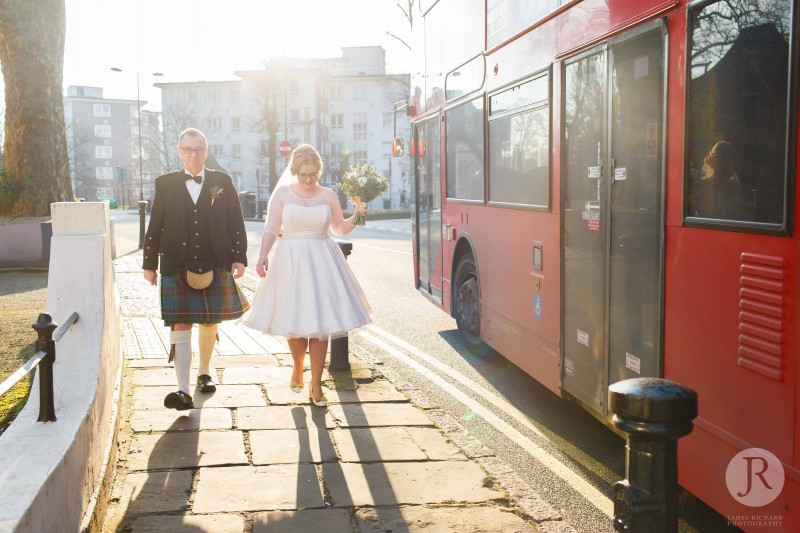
763	289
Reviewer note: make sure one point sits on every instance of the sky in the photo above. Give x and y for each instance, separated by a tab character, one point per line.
204	40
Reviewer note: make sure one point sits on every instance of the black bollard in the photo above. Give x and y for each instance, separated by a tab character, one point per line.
654	413
45	327
142	211
340	346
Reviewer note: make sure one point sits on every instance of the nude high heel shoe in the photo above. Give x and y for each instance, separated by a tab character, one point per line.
322	402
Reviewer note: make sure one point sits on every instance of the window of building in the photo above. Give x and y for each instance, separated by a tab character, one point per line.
215	149
234	96
359	126
519	144
737	119
293	87
359	92
294	116
387	120
336	92
236	150
104	173
337	121
102	110
214	95
263	147
387	149
216	123
102	130
336	149
235	124
465	149
102	152
359	156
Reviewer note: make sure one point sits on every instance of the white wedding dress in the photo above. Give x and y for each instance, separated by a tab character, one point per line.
309	290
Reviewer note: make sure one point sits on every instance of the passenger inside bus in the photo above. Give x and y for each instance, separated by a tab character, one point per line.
718	193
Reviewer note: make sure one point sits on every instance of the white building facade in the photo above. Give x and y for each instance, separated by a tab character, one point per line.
344	107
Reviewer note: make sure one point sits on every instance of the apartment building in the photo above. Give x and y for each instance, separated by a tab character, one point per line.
104	148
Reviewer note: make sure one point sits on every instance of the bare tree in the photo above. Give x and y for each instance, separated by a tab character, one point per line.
270	98
160	145
36	166
407	8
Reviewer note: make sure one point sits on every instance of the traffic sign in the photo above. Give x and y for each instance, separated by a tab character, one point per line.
285	148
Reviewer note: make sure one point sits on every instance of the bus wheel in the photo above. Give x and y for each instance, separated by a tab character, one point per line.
468	301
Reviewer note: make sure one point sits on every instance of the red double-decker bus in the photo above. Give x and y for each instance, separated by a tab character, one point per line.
607	189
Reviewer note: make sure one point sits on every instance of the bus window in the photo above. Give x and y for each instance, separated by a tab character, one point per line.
465	151
519	145
465	79
737	112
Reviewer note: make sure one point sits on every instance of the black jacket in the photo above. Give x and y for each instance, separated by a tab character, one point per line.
167	233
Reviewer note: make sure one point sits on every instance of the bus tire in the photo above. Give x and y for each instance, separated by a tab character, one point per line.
467	309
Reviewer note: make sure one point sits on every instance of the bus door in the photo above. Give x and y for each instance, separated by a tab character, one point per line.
613	215
427	195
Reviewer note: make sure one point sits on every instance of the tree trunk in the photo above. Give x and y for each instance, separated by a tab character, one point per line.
35	161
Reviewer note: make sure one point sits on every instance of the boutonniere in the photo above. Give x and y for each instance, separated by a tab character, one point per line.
216	192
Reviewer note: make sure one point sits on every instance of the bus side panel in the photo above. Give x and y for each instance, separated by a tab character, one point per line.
744	402
521	311
465	220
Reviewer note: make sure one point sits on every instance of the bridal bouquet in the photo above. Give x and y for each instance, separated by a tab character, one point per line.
362	184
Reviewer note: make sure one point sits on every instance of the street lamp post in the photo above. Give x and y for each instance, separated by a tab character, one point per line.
139	119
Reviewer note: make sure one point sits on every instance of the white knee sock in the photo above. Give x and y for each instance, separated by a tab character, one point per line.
182	339
207	338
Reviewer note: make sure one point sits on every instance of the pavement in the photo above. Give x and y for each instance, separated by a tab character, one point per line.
254	456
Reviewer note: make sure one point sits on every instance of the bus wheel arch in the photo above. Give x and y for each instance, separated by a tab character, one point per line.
466	303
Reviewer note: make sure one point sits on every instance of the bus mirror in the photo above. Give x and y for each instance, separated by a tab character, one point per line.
398	148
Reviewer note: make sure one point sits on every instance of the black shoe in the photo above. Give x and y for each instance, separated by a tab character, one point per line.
179	401
205	383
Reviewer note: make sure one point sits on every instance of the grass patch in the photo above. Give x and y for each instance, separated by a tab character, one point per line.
22	298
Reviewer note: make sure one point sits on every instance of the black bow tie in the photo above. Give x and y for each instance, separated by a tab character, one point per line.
197	179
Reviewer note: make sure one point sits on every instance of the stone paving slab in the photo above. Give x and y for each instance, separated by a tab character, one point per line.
246	488
271	376
377	444
156	492
435	445
415	519
186	450
220	523
225	396
379	390
380	414
281	394
311	520
376	484
292	446
283	417
149	420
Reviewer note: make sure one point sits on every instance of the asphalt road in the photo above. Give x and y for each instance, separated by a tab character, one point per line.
559	451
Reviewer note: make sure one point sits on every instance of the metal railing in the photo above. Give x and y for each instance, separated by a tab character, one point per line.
44	358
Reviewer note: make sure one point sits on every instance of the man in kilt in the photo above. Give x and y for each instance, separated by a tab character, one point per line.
196	219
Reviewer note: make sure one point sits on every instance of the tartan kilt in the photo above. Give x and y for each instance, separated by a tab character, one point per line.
223	300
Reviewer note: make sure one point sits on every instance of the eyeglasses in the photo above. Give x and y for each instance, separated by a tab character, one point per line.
303	176
189	151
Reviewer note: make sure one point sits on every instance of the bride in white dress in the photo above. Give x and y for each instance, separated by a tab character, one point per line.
308	292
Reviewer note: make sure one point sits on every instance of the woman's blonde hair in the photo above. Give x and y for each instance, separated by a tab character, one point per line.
303	155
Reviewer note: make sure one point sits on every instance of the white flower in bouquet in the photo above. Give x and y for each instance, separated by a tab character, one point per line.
362	184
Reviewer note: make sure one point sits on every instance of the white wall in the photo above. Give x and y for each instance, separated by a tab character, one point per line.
49	471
